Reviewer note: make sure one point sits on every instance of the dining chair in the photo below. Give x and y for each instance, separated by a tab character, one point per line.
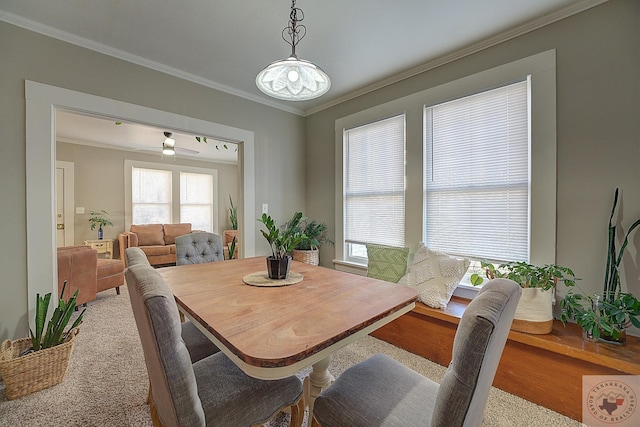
198	345
198	248
211	392
382	392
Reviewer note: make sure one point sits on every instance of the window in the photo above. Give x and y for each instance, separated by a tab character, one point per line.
150	196
196	200
161	194
374	185
476	187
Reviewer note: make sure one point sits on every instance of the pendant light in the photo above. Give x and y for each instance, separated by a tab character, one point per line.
293	79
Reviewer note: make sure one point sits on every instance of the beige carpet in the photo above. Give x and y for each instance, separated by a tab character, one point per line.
107	380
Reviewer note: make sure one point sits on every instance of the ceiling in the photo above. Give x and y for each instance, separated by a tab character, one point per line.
361	44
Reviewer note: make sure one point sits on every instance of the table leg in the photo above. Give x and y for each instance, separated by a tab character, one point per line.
316	381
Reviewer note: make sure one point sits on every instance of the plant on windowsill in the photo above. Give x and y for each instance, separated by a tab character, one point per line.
31	364
308	250
282	240
534	313
605	316
99	219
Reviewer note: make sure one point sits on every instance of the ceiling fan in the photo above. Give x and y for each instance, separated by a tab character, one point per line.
169	146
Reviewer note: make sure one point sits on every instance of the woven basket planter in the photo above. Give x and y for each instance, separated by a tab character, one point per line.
310	257
35	371
534	312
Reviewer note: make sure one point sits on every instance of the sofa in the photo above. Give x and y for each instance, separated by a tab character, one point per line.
157	241
81	268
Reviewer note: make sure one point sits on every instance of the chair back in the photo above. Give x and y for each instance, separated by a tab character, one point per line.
198	248
477	348
174	389
136	256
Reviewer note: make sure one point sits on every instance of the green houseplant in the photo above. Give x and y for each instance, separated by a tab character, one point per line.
231	235
605	315
307	250
99	219
31	364
534	313
282	240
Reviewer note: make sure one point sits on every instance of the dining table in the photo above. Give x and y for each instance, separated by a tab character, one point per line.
272	329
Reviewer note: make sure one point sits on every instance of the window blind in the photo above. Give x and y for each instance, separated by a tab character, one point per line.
477	175
196	200
150	196
374	182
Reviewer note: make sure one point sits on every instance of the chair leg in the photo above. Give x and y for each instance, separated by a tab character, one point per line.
297	413
117	290
314	422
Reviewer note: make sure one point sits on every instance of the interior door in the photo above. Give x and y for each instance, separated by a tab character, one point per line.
64	204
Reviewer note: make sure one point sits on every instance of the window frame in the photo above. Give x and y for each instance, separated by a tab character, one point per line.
175	190
541	68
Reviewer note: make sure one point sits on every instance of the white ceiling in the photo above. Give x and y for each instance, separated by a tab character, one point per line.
361	44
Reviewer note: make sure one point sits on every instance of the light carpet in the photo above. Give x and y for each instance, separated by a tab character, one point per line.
107	380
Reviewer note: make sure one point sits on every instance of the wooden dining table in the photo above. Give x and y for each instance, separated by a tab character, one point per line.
273	331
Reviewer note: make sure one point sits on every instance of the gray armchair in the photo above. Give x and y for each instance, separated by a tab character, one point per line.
197	248
210	392
383	392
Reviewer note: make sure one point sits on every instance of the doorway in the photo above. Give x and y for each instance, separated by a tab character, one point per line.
65	204
41	104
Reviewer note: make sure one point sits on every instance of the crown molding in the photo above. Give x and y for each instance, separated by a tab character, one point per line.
461	53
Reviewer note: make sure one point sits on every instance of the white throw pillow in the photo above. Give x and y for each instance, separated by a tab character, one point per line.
434	275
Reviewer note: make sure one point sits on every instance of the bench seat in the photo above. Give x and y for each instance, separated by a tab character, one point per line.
544	369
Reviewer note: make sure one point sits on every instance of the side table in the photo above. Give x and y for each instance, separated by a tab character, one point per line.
104	246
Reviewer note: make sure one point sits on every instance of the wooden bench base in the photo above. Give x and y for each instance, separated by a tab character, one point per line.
544	369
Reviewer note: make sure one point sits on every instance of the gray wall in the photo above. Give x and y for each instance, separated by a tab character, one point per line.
598	132
99	184
279	138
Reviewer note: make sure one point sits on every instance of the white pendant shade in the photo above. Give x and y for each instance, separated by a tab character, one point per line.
293	79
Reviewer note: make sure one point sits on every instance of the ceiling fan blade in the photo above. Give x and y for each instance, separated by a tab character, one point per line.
186	150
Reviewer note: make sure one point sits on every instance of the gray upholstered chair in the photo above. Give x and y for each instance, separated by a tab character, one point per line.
198	345
210	392
197	248
382	392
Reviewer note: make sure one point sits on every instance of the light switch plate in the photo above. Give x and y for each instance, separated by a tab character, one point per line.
265	208
79	210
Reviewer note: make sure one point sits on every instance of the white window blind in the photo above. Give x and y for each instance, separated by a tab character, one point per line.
374	184
150	196
477	177
196	200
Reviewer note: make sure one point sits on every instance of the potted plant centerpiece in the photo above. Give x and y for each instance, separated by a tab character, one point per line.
32	364
99	219
534	313
308	250
282	241
605	316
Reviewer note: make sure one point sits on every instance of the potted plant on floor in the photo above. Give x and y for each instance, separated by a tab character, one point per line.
534	313
605	315
231	234
32	364
308	250
99	219
282	240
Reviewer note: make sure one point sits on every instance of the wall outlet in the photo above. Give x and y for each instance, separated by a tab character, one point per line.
265	208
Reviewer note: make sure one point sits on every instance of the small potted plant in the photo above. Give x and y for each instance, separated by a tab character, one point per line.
231	234
282	241
534	313
605	315
308	250
99	219
32	364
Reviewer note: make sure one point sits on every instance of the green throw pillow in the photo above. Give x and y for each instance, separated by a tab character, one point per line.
387	263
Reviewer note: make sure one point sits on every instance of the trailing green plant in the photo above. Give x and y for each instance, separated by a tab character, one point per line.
233	214
282	239
232	247
527	275
55	332
315	235
612	311
99	219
